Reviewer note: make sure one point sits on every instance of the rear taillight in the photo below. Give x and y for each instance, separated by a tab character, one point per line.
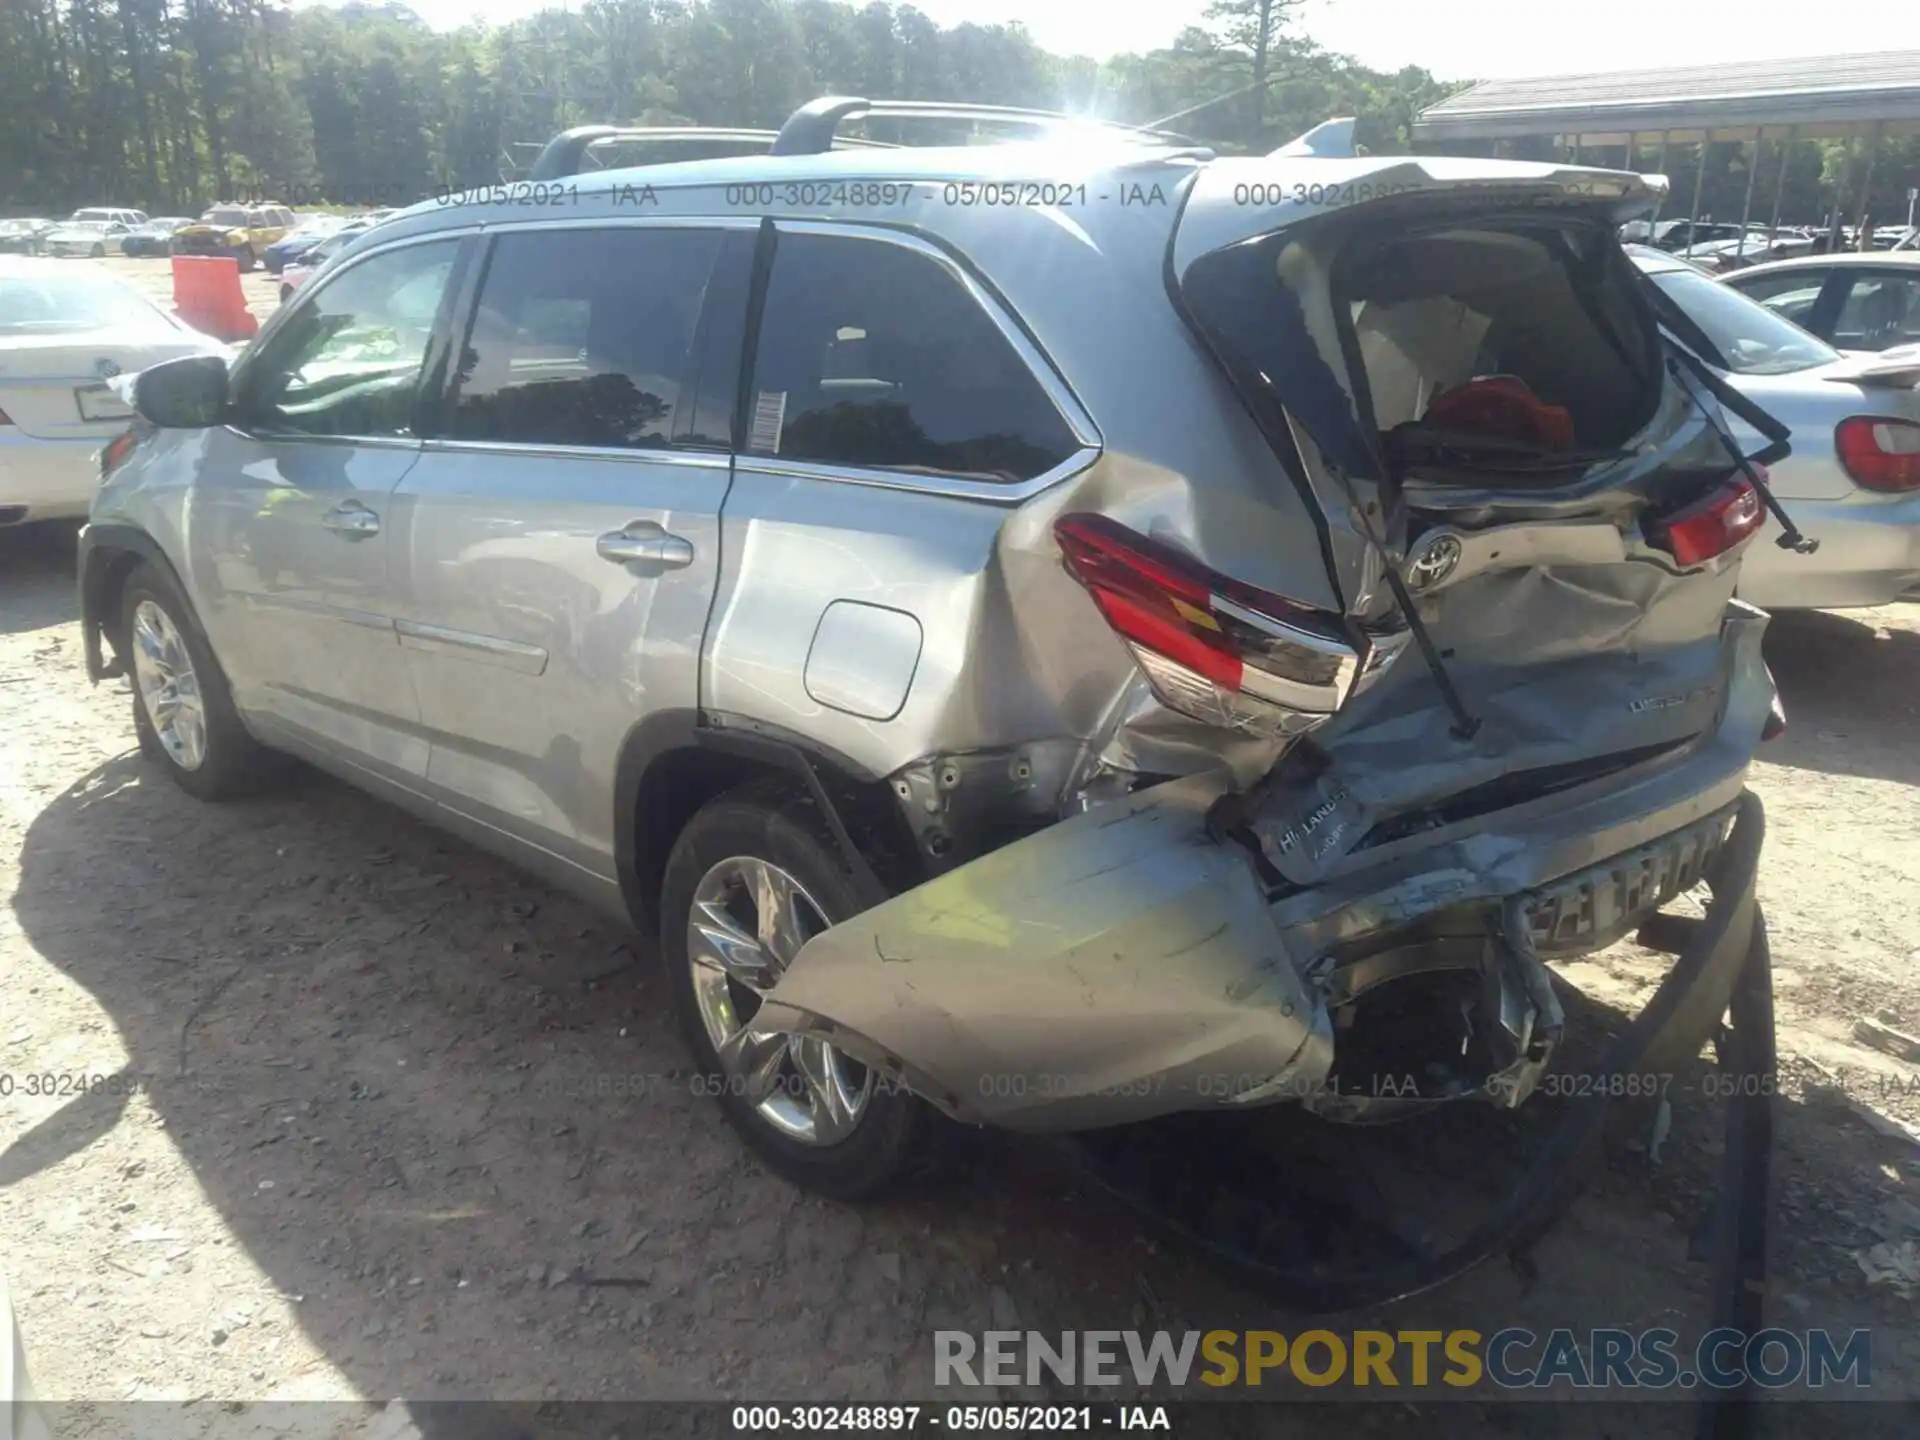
116	451
1879	454
1710	526
1212	647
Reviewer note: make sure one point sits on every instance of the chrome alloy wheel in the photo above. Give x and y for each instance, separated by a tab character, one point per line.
170	691
749	919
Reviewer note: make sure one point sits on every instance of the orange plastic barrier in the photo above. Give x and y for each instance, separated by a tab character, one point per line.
207	295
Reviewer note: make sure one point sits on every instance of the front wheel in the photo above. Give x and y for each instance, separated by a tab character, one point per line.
286	293
752	878
99	251
183	712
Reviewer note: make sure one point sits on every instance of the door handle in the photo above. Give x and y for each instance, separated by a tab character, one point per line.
351	520
647	543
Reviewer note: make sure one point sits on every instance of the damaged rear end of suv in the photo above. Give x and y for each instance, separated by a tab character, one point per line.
1451	685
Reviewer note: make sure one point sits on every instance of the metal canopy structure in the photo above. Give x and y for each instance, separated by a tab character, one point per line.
1811	98
1818	97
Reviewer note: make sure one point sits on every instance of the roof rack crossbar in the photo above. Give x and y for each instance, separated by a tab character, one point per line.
810	130
566	154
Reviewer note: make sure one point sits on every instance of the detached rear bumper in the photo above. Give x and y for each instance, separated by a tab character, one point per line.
1126	963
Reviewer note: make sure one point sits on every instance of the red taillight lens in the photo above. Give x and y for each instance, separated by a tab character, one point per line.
1212	647
1713	525
1879	454
117	450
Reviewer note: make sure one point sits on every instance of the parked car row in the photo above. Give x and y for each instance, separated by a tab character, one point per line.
66	332
269	235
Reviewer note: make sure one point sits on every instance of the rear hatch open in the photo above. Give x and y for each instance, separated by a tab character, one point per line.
1462	372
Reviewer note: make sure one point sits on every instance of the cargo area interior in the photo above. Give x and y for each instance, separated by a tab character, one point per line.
1548	304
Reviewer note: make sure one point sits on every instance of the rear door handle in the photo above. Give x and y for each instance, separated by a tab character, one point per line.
646	543
351	520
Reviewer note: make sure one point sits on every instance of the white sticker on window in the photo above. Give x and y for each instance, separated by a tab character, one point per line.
769	416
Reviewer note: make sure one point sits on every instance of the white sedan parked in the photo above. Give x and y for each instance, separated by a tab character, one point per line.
1853	479
65	331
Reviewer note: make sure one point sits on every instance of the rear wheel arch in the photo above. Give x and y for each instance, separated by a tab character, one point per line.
676	761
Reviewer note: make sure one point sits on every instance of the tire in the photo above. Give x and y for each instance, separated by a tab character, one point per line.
99	251
228	761
286	293
770	825
245	256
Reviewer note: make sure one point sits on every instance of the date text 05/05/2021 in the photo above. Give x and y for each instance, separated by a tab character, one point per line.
1083	1419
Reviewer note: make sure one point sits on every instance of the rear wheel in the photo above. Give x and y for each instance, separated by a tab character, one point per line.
99	251
183	711
751	879
245	256
286	293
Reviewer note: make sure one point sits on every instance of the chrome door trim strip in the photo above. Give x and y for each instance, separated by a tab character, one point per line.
368	619
514	655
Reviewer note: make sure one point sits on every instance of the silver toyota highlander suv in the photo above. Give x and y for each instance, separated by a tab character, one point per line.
1059	632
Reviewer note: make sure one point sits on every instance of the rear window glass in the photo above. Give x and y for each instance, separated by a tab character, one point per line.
1751	338
46	305
224	216
1517	338
874	356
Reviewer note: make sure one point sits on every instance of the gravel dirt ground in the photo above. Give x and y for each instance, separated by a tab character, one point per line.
382	1117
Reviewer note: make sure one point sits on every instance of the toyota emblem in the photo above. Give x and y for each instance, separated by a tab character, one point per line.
1433	560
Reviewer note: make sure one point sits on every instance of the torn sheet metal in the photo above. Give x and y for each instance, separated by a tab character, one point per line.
1391	767
1114	967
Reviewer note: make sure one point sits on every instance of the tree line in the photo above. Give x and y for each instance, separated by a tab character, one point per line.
171	105
175	104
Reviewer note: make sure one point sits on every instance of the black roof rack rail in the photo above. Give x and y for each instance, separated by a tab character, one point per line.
566	154
810	129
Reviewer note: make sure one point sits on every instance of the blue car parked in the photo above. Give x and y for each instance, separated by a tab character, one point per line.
312	230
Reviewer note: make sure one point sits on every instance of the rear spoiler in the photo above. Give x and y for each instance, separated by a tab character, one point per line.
1329	140
1896	369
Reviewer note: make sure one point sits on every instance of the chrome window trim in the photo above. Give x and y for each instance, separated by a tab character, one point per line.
680	221
993	492
276	322
1039	364
663	455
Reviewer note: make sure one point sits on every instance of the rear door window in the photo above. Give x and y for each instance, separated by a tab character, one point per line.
1792	295
1881	309
874	356
582	337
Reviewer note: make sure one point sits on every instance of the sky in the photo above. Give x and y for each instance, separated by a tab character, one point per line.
1455	39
